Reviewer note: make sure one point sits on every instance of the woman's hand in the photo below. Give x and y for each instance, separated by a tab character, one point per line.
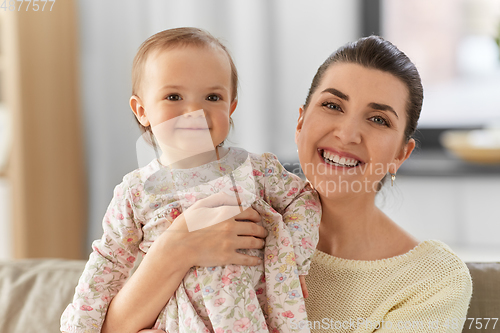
302	279
212	229
139	302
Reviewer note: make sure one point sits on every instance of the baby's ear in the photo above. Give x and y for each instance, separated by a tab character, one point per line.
233	106
139	110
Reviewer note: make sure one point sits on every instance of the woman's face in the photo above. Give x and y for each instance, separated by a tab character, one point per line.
352	132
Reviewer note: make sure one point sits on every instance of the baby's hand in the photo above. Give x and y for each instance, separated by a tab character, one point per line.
148	330
303	285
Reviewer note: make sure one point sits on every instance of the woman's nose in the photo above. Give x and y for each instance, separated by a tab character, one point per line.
347	130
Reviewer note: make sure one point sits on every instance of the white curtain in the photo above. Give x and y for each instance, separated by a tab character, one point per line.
277	46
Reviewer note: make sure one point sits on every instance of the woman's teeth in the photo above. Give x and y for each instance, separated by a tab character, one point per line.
333	159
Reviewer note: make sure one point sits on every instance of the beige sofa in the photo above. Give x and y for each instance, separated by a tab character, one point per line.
33	294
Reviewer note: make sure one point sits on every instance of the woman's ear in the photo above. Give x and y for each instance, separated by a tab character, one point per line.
140	112
300	121
404	153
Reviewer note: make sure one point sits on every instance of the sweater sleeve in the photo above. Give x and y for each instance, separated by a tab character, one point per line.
299	205
440	308
108	267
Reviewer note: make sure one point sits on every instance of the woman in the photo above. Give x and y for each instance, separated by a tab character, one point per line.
368	274
363	105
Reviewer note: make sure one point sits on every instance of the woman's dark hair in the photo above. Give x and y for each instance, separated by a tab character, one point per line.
377	53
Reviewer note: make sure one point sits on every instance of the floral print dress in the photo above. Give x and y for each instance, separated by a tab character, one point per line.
224	299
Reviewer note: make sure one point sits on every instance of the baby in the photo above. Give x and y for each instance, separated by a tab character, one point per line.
184	92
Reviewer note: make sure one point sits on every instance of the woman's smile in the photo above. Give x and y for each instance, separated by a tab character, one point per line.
339	159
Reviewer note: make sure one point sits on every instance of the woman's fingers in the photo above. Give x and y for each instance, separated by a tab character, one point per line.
302	280
248	214
202	217
245	260
213	229
216	209
217	245
248	236
244	228
249	242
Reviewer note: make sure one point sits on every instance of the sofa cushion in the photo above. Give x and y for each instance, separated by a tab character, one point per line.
485	302
35	292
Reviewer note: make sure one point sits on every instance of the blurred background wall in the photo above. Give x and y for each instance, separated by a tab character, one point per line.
277	46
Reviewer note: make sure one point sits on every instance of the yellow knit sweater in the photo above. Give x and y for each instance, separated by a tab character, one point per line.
425	290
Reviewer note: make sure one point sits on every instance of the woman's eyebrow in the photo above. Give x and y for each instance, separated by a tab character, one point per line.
337	93
383	107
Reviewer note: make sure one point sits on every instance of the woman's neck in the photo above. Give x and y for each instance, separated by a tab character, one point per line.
349	225
353	227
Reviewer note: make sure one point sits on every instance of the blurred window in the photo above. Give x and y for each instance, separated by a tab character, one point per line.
455	45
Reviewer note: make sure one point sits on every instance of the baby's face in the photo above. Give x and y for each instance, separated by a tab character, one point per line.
186	95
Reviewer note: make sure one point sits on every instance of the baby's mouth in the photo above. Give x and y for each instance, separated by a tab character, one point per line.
193	128
336	160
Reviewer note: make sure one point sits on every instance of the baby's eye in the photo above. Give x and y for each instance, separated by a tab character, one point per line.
332	106
213	98
174	97
379	120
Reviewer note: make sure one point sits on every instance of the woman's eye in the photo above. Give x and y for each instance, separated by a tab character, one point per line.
332	106
174	97
379	120
213	98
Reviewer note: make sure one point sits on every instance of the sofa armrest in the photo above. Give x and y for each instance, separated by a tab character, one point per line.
485	302
35	292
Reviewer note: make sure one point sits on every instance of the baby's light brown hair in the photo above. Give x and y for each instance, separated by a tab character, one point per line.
171	38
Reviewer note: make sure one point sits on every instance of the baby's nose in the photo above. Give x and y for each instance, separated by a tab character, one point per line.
195	114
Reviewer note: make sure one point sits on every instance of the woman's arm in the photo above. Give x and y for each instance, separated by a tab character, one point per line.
140	301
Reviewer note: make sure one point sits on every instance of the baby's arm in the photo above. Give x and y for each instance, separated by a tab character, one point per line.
108	267
299	205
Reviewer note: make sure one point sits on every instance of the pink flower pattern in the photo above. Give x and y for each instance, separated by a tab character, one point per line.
307	243
219	301
226	299
241	325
